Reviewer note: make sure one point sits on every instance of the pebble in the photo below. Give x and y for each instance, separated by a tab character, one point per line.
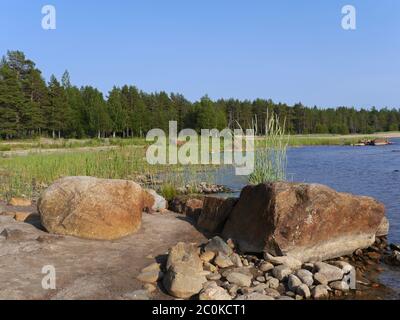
209	267
240	279
320	292
266	266
254	296
272	283
339	285
281	272
304	291
305	276
260	279
319	278
332	273
293	282
235	258
207	256
223	261
213	276
149	287
272	292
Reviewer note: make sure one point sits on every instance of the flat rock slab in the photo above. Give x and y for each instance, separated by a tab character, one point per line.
85	269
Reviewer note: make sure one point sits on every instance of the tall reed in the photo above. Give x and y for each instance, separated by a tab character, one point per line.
270	158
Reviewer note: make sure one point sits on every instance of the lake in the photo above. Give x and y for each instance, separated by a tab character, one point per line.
371	171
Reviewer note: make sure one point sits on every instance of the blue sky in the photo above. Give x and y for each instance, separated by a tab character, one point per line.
286	50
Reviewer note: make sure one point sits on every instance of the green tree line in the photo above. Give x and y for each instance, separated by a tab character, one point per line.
30	107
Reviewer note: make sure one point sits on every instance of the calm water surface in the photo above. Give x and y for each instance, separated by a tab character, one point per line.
371	171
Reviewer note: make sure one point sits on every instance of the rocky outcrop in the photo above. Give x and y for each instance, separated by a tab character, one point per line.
92	208
215	213
309	222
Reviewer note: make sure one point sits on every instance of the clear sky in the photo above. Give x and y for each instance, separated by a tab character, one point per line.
286	50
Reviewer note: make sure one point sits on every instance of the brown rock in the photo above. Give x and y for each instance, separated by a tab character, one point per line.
20	202
215	213
187	205
310	222
24	216
92	208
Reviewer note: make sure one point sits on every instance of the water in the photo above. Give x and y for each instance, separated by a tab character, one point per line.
370	171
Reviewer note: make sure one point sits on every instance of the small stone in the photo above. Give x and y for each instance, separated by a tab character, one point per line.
319	278
233	289
305	276
266	266
223	261
281	272
304	291
209	267
214	292
293	282
256	283
273	283
260	279
339	285
245	262
235	258
272	292
320	292
217	244
207	256
299	297
332	273
213	276
345	266
290	294
289	262
240	279
260	288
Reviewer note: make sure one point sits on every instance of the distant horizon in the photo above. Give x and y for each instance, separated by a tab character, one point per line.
279	50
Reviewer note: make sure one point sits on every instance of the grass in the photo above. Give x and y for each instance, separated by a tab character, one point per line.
270	154
27	176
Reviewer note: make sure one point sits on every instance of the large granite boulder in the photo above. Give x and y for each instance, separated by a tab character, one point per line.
92	208
215	212
309	222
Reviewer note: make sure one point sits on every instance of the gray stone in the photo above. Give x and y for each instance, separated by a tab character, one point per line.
272	283
339	285
240	279
266	266
320	278
308	266
223	261
214	292
260	288
213	276
293	282
320	292
272	292
304	291
305	276
260	279
235	258
331	273
217	244
281	272
289	262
